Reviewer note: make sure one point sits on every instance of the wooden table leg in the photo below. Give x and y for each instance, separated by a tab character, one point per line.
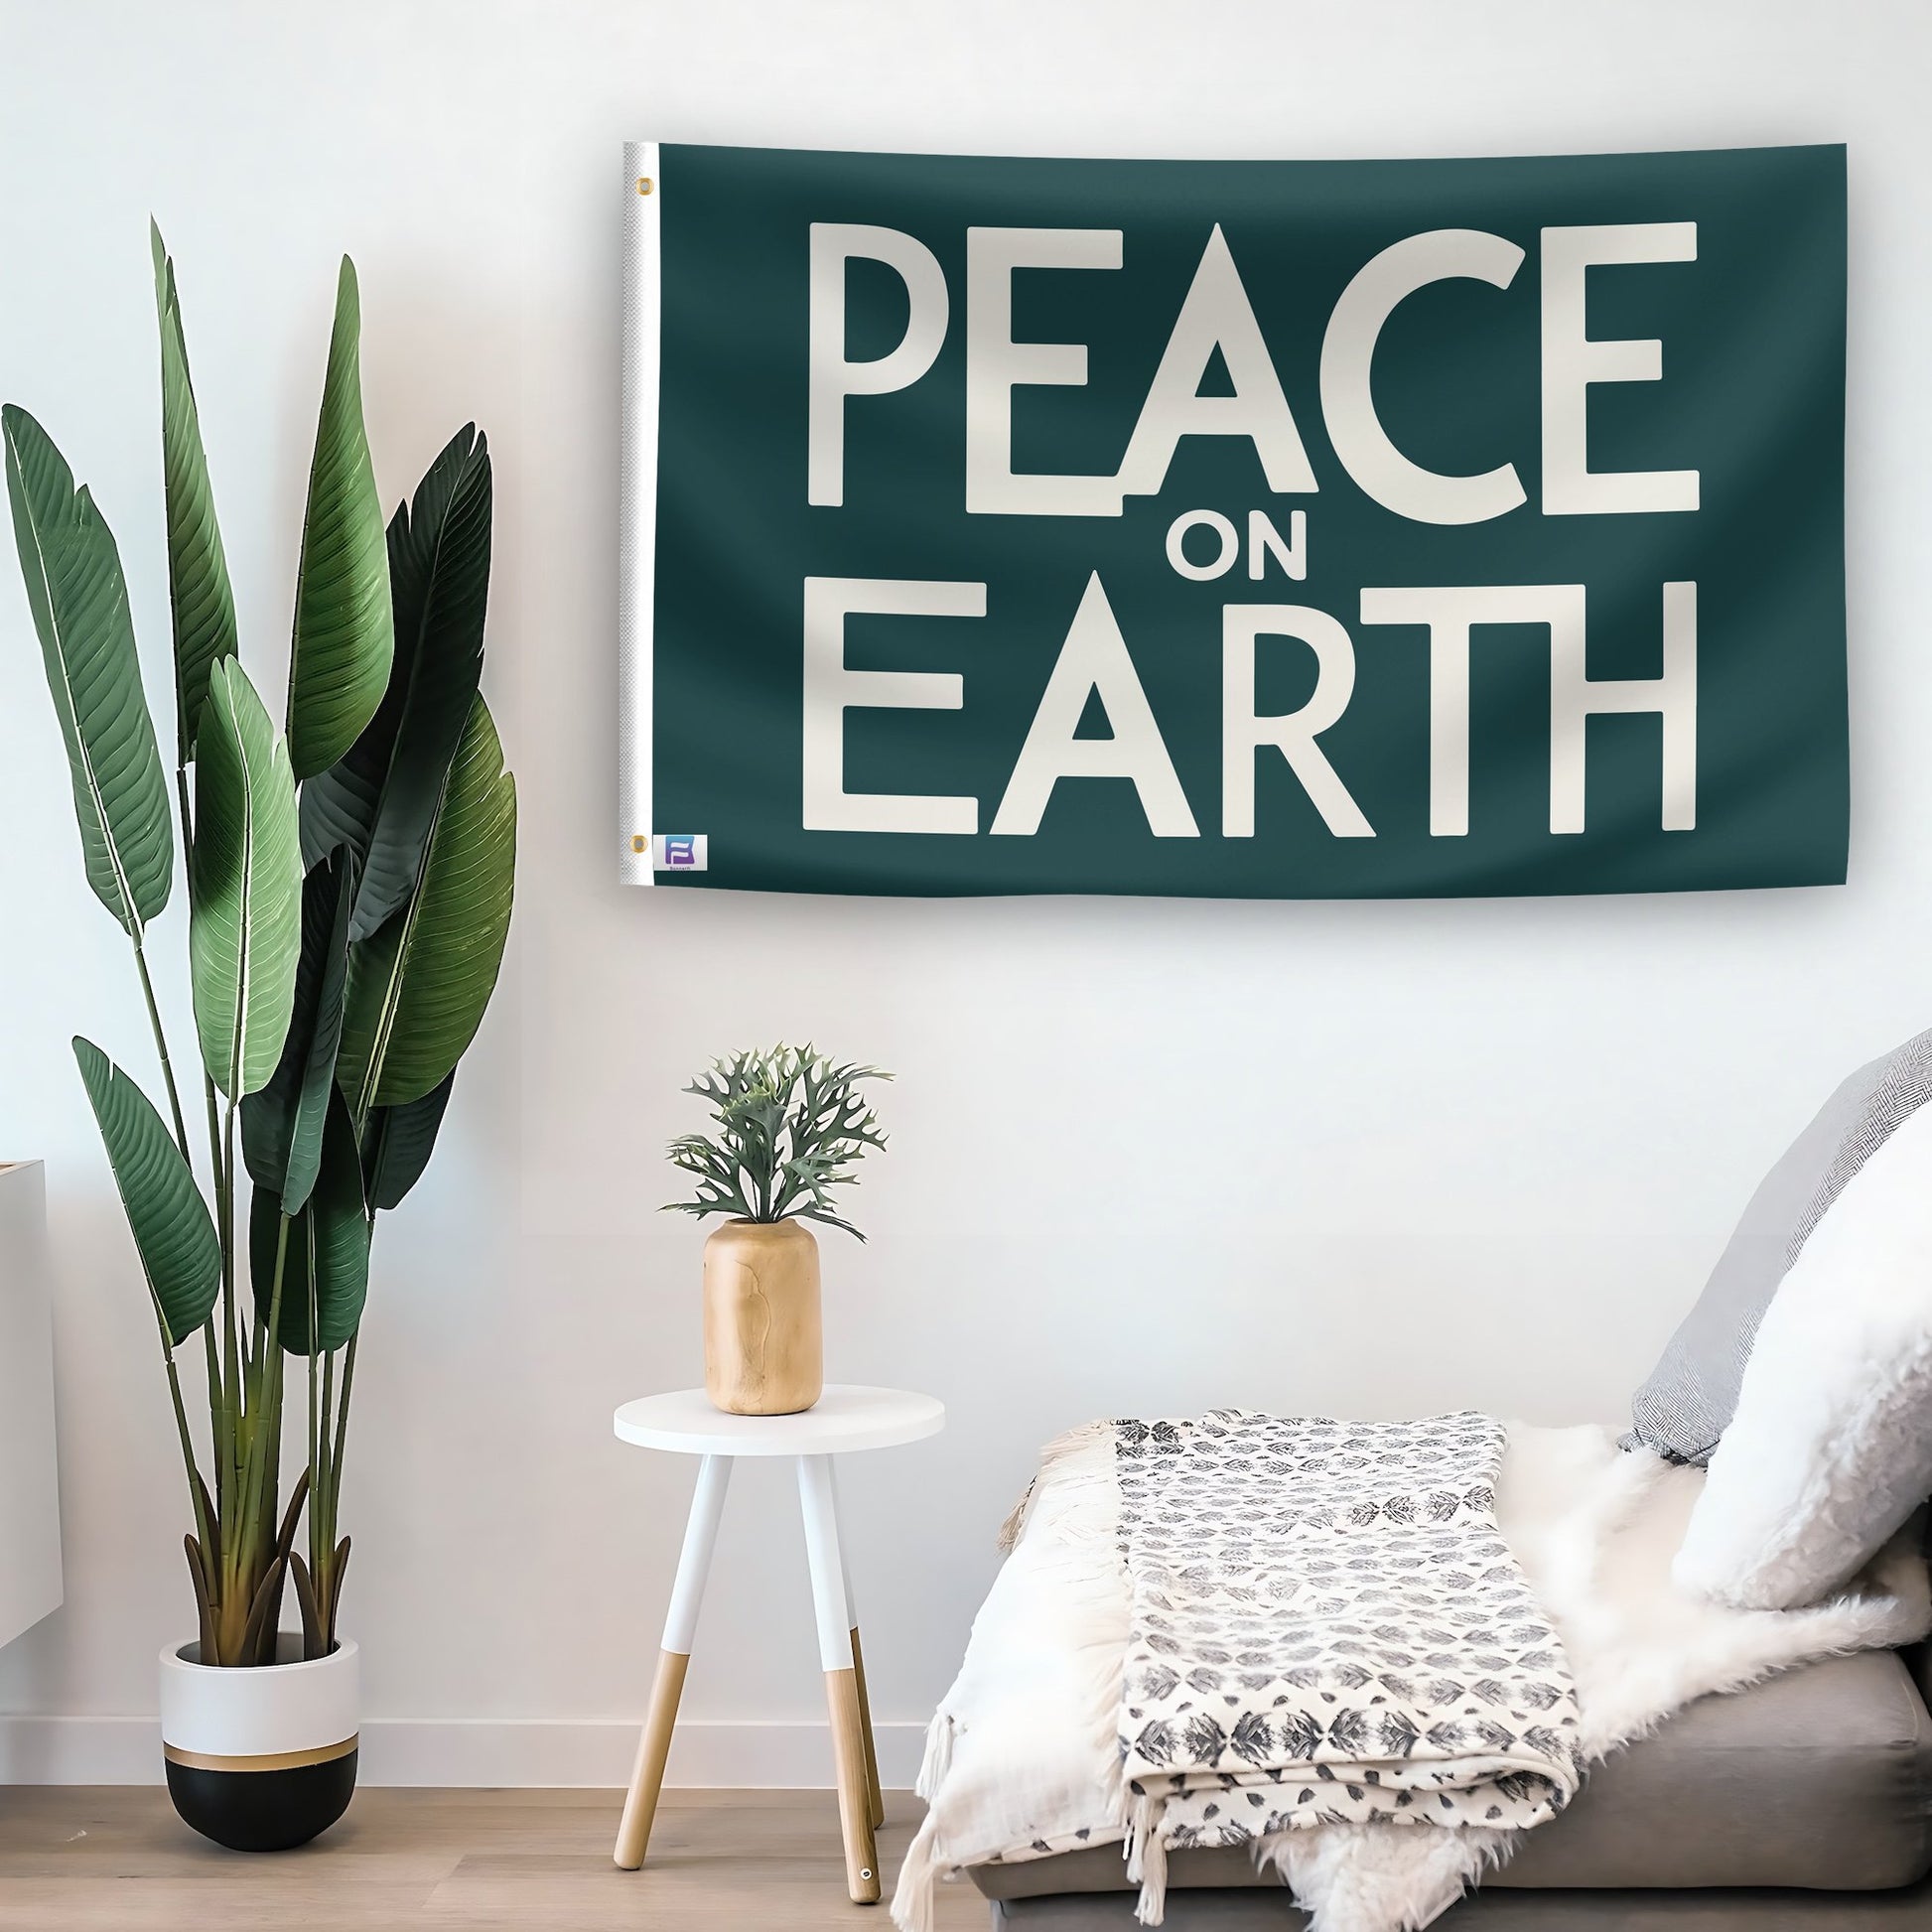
820	1511
680	1626
877	1796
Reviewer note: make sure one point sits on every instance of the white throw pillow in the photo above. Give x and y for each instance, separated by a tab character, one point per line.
1829	1451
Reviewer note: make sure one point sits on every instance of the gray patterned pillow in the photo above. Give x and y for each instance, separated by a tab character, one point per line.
1687	1404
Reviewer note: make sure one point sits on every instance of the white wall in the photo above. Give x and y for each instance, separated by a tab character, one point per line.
1149	1156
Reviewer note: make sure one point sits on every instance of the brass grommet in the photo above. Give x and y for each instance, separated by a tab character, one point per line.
643	183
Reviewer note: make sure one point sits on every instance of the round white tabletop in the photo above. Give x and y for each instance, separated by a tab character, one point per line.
845	1418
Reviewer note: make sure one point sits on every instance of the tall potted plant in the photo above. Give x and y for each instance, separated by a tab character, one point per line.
350	881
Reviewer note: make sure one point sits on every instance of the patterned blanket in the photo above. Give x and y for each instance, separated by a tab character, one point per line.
1326	1626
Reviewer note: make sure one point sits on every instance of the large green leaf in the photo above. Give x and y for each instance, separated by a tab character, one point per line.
417	990
172	1233
244	933
78	599
281	1126
198	570
343	631
325	1264
380	798
398	1142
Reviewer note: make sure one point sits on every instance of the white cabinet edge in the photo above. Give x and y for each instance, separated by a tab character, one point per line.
30	1501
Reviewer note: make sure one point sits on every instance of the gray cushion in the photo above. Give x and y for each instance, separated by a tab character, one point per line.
1692	1394
1504	1911
1821	1779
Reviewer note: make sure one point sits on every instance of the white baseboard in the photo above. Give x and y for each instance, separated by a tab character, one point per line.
479	1752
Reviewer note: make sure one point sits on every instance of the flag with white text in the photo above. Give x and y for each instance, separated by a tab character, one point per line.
1248	529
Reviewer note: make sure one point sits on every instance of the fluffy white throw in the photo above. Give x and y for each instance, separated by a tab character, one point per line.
1022	1758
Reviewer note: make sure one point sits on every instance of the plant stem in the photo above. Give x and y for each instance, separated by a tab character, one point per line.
219	1414
190	1466
248	1552
323	1526
341	1415
187	1450
234	1413
322	1520
317	1431
187	814
161	1047
267	1411
230	1347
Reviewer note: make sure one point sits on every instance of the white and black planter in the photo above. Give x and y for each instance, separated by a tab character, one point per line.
261	1759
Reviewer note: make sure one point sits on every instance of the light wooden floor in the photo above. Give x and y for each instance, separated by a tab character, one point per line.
116	1859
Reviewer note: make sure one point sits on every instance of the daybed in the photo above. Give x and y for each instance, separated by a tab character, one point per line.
1801	1805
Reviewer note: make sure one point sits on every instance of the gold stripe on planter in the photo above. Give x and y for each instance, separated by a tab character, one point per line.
266	1761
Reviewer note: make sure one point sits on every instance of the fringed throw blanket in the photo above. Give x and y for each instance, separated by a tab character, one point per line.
1326	1626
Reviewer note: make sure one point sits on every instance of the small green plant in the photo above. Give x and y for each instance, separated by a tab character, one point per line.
790	1126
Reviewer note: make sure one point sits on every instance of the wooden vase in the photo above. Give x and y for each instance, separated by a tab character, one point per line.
763	1344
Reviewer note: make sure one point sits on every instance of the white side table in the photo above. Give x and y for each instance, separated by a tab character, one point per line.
845	1420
